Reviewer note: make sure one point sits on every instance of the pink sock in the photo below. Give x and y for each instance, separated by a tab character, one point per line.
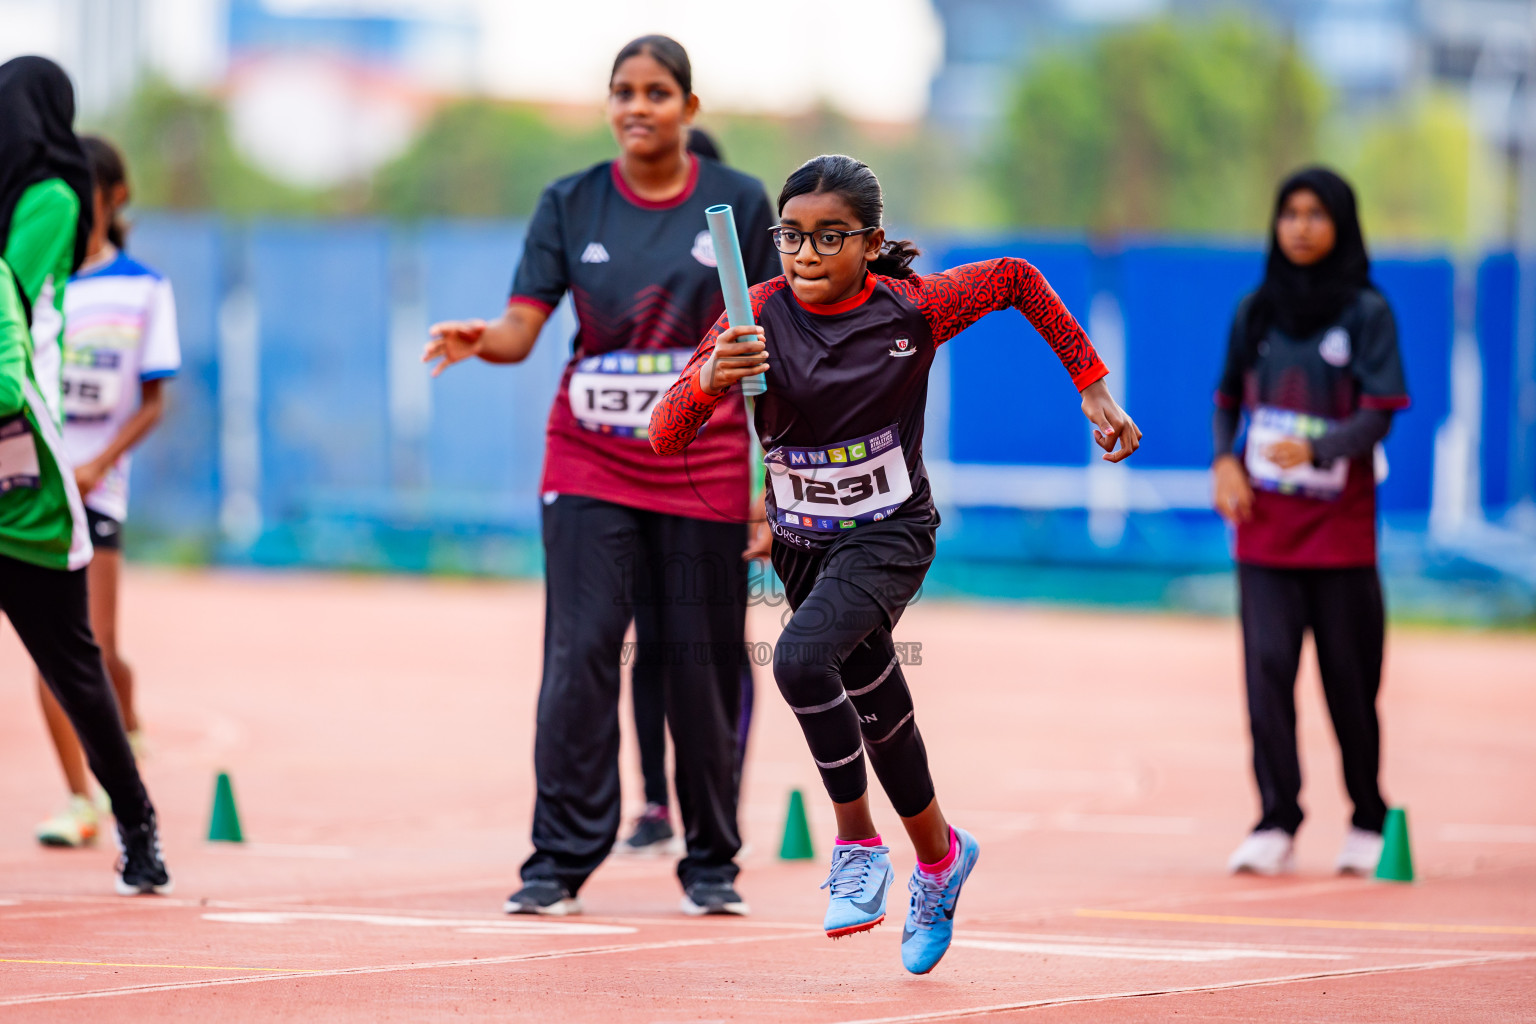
859	842
942	865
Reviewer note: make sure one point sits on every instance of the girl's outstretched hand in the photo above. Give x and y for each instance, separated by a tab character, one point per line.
739	352
453	341
1110	422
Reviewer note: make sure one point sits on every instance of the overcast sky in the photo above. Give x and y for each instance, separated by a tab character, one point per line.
873	59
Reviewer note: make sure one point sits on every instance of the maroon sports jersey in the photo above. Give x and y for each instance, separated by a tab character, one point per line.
643	280
1353	363
845	374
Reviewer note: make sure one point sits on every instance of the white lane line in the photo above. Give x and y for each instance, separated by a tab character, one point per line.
478	926
563	954
1488	833
983	1011
1169	954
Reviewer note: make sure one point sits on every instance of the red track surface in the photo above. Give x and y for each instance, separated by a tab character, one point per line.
379	733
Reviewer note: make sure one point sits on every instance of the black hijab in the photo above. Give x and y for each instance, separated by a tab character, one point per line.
1303	300
37	141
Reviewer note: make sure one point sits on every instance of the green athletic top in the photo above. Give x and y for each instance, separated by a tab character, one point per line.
42	519
41	252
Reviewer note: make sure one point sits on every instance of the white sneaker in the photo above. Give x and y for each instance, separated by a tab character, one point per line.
1268	851
75	825
1360	854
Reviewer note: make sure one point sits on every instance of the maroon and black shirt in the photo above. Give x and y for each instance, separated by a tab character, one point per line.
642	277
853	368
1351	364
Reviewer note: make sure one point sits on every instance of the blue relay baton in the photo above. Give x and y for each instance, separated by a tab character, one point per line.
733	281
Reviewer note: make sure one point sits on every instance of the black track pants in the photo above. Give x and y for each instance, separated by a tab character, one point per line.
1343	608
49	610
601	560
836	665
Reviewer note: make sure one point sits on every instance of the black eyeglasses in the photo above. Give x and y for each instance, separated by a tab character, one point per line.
825	241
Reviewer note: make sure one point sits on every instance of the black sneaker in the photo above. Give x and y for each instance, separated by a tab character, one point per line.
543	896
710	897
653	831
140	870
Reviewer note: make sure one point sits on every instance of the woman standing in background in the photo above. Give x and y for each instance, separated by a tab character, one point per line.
622	527
1312	360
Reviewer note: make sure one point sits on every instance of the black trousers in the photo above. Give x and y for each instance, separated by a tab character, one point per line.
1343	609
49	610
602	560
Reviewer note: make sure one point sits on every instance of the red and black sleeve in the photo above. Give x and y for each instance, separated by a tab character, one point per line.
954	299
686	407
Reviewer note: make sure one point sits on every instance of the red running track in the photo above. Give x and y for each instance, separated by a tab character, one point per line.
378	731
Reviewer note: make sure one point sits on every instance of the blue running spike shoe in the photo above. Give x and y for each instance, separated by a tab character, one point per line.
861	877
931	919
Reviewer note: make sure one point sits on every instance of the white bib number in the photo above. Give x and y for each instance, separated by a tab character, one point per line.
18	454
91	392
842	487
1269	425
615	393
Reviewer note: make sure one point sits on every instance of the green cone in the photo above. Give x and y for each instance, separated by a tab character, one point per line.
1396	864
797	831
224	823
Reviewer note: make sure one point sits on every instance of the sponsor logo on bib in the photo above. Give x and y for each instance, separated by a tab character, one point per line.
1334	347
594	253
704	249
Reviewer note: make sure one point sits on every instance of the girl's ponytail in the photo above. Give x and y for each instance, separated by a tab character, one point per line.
895	259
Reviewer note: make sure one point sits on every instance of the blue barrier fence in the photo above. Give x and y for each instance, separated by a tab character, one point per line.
303	429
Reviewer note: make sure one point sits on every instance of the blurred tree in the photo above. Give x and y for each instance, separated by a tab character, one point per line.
179	156
1163	126
478	158
1414	166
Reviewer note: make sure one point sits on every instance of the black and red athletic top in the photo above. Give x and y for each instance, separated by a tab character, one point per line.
853	368
1352	364
643	280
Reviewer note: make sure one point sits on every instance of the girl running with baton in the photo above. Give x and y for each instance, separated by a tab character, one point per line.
852	331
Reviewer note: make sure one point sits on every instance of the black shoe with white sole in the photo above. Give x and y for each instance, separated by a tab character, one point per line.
711	897
543	896
140	869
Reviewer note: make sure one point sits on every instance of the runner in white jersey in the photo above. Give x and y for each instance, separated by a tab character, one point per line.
120	345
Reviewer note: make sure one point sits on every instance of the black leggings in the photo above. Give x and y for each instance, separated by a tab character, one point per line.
48	607
837	667
1343	609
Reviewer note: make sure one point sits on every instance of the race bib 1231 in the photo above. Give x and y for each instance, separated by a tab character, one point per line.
841	487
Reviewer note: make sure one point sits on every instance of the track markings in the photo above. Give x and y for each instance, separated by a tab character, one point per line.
472	926
488	961
1307	922
159	967
1105	997
1100	950
1488	833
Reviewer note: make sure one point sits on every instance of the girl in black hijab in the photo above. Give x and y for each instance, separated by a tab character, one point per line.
45	200
1313	365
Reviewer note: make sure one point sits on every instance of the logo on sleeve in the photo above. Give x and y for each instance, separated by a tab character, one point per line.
1334	347
903	347
594	253
704	249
